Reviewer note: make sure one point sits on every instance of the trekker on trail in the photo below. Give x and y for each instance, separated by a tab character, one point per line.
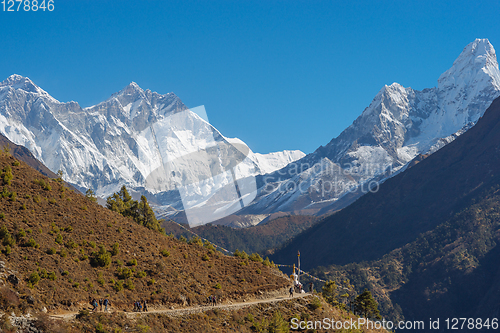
145	308
291	291
214	300
94	304
106	302
100	303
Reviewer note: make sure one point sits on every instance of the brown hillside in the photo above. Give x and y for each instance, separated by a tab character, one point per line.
53	231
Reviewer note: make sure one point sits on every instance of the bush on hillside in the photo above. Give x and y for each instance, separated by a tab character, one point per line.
101	258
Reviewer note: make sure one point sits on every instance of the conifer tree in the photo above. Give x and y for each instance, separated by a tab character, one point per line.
329	292
146	216
115	203
126	197
122	202
90	194
366	305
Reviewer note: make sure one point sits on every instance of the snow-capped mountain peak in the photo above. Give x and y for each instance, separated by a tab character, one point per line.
131	93
18	82
399	124
132	89
476	63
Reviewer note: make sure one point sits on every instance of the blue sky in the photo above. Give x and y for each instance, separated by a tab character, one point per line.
277	74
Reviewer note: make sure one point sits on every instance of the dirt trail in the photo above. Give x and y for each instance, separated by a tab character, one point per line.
193	309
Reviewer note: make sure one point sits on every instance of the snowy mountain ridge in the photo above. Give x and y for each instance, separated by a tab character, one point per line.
140	138
115	142
399	124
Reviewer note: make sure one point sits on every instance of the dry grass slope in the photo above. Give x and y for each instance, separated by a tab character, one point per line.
59	245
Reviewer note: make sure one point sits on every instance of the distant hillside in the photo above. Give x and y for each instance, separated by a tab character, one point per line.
258	238
451	271
58	248
426	241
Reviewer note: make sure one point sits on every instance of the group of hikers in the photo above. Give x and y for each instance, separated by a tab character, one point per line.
212	300
95	304
140	306
143	306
